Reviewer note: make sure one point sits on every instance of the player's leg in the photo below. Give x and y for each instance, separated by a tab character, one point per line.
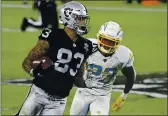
54	107
100	106
32	104
30	22
79	104
129	1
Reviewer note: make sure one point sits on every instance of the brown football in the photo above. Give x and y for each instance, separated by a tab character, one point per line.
46	62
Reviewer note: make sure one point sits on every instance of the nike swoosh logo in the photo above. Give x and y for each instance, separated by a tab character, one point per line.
40	75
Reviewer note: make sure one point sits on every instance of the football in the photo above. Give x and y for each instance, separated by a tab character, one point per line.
46	62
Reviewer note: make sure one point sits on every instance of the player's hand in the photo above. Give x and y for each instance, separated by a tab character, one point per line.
36	4
94	83
118	103
39	70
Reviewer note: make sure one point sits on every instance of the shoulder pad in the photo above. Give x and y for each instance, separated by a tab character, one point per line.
94	44
124	54
93	40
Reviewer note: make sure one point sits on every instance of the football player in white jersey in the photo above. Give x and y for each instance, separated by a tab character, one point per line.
105	62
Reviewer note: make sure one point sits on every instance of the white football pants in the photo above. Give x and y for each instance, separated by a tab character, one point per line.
84	101
39	103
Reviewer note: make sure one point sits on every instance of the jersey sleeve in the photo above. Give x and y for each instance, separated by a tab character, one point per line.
45	34
130	60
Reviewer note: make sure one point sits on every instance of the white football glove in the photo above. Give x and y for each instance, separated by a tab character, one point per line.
94	82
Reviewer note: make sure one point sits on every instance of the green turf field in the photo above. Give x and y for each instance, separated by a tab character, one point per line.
135	104
145	33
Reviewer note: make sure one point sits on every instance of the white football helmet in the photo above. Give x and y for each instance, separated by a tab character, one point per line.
75	16
109	37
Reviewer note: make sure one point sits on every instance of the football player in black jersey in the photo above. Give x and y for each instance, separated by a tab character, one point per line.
68	50
47	15
25	2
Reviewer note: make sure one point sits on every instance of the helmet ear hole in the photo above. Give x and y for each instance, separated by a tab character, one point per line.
66	24
74	16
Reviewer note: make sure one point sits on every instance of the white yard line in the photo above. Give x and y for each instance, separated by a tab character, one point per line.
138	86
15	6
18	30
152	94
127	9
98	8
116	88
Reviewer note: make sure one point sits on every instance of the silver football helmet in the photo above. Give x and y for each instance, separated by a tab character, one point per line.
75	16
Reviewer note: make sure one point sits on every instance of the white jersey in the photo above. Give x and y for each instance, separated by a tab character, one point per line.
98	65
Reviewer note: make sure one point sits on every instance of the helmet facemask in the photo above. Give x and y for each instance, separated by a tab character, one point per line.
109	37
107	44
82	24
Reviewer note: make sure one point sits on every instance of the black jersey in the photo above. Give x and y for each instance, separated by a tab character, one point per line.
42	4
67	57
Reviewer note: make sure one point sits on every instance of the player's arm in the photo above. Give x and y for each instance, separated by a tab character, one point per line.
38	51
130	74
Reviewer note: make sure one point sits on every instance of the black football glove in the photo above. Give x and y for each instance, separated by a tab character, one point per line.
39	70
36	4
